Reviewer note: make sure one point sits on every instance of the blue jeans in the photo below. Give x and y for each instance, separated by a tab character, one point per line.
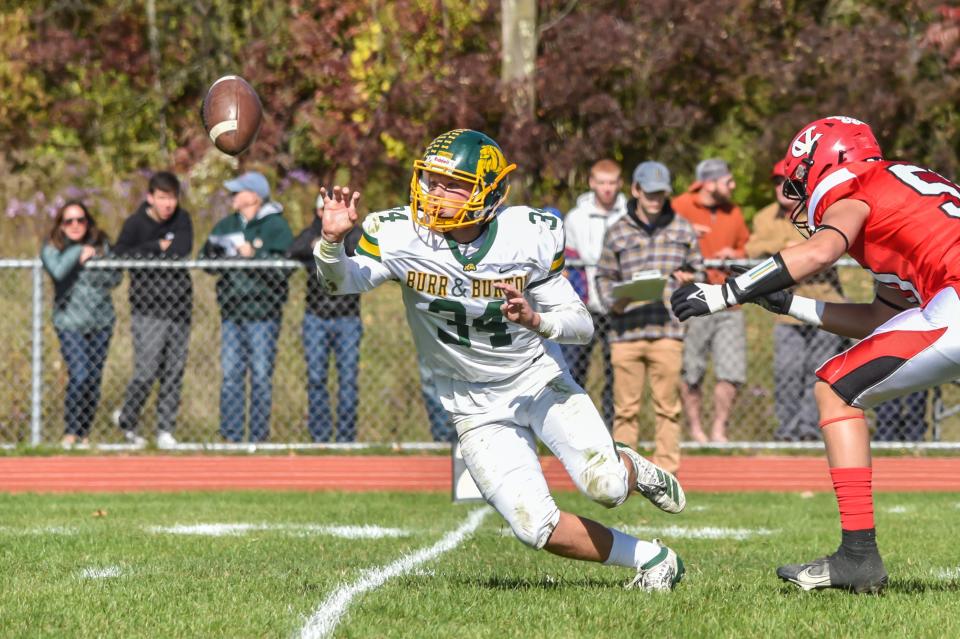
85	355
247	345
341	337
441	427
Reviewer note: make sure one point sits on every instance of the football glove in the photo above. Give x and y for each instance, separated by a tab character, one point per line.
696	300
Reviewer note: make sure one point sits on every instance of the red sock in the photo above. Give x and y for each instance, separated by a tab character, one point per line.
854	496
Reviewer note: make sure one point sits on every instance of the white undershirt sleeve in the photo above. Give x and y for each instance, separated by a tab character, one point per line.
563	317
342	275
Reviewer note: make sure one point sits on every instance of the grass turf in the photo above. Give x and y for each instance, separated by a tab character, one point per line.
267	582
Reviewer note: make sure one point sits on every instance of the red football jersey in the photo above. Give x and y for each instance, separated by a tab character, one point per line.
911	238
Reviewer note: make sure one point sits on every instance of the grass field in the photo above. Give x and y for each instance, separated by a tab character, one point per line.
402	565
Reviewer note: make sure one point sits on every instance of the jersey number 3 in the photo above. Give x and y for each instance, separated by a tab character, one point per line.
490	322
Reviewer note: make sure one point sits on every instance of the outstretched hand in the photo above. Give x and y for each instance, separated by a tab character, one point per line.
339	212
516	308
697	300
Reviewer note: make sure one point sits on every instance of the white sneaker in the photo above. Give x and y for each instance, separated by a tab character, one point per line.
661	573
655	483
133	438
165	440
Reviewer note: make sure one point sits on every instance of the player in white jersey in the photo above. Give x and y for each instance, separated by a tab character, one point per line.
482	289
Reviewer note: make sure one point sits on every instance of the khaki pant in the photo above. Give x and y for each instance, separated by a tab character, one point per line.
661	359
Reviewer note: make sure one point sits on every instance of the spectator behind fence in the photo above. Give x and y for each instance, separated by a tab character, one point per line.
723	234
331	325
798	349
586	224
902	419
83	313
646	340
251	303
161	304
441	427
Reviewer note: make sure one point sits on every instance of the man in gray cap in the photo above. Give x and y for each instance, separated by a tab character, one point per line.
251	303
723	234
646	340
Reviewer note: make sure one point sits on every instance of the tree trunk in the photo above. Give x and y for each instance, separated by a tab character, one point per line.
153	38
519	32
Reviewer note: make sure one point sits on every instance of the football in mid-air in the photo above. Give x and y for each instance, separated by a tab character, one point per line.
231	114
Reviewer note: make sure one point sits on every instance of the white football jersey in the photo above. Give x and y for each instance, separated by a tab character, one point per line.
452	306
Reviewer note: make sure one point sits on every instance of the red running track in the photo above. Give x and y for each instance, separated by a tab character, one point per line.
425	473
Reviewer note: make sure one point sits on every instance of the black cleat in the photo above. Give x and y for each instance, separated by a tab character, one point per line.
860	575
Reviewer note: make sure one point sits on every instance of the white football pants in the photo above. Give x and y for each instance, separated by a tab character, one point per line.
497	424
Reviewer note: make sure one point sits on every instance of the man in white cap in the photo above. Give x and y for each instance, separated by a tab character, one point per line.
251	303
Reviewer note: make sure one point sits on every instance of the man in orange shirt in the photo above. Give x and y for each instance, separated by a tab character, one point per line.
723	234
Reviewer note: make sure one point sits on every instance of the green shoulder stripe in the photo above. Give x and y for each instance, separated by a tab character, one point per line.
368	246
558	263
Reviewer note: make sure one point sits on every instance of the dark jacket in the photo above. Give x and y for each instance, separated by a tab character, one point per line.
82	300
319	302
251	294
165	293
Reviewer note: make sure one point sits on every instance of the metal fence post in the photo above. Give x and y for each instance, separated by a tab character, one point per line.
36	368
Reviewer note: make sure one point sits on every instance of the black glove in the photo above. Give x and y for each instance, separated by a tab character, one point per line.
695	300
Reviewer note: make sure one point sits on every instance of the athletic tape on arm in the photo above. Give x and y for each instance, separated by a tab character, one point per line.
768	276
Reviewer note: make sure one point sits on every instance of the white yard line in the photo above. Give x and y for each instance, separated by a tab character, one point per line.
328	614
898	510
101	573
220	530
702	532
947	574
39	530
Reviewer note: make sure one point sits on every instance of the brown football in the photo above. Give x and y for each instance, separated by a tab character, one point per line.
231	114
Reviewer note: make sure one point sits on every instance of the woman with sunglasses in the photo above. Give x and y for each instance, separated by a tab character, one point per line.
83	313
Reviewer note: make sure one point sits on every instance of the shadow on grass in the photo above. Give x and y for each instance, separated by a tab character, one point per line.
543	583
895	587
923	586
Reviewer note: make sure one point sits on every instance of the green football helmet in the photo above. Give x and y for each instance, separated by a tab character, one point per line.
469	156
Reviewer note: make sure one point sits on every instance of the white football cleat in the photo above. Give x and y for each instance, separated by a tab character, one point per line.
132	437
655	483
661	573
165	440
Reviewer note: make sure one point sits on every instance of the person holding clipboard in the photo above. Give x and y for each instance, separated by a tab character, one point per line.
648	253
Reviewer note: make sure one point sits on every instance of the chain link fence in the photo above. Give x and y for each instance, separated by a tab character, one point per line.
215	384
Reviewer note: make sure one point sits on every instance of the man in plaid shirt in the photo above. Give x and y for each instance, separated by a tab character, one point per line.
645	338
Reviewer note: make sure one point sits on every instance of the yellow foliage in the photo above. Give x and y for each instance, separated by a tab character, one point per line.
394	148
20	90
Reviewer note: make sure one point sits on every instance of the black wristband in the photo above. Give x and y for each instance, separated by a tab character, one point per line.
768	276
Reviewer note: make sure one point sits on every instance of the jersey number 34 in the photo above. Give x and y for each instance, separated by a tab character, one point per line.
490	322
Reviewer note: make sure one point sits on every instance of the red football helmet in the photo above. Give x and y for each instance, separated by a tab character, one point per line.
818	149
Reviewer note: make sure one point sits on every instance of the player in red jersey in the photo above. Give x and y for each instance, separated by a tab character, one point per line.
901	222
